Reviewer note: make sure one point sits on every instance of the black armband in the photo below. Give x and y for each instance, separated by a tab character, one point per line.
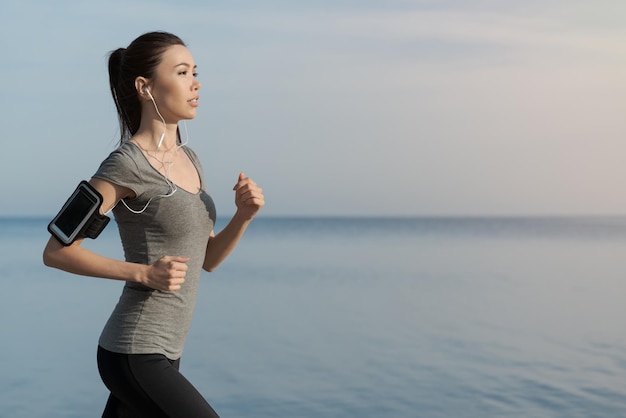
80	216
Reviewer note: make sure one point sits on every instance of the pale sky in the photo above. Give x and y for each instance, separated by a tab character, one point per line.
357	107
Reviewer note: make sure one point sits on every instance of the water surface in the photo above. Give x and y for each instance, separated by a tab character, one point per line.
341	317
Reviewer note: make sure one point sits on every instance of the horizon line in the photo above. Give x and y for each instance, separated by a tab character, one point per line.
395	216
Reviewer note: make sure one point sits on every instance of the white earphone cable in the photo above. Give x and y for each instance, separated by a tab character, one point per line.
166	164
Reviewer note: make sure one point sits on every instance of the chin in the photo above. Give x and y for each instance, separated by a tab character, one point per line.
188	116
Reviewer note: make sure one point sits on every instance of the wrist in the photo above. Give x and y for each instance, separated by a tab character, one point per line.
245	218
140	273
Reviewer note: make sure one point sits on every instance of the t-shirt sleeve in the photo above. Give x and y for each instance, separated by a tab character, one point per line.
121	169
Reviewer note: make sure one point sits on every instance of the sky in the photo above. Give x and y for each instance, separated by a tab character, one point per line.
347	108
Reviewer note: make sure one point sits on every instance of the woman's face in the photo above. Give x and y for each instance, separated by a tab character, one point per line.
175	86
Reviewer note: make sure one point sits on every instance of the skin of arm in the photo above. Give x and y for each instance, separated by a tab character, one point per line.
249	200
168	273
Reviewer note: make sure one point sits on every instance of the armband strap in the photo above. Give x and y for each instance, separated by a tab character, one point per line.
98	223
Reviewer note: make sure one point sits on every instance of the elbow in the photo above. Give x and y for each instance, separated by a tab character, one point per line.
210	265
209	269
48	258
51	254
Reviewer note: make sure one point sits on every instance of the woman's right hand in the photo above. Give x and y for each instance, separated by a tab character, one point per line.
167	273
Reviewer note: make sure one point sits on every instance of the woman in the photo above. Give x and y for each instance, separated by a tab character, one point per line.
165	221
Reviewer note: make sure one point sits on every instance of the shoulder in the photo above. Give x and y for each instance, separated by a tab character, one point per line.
125	155
122	165
126	149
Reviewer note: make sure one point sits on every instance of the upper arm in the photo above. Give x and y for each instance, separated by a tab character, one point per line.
111	193
57	255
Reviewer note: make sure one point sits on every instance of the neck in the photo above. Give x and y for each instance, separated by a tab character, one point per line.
157	137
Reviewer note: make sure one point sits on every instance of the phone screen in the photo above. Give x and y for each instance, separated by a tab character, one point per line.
75	212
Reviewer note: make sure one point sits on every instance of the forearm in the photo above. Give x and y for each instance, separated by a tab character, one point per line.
222	244
78	260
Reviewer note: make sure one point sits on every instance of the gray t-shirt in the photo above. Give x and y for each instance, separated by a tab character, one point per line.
147	321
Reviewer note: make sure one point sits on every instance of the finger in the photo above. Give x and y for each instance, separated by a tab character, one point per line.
256	203
240	180
172	287
176	281
251	194
172	263
250	188
176	266
175	275
177	271
252	197
244	198
173	284
166	260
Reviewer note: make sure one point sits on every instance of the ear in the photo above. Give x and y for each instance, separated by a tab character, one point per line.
141	83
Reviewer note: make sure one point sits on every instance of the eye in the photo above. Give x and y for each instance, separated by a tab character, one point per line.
183	72
195	74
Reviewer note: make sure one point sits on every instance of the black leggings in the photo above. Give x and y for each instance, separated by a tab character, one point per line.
148	385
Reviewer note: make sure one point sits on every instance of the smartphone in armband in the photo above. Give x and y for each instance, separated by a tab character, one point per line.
80	216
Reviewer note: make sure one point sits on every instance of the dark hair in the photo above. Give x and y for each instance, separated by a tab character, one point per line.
141	58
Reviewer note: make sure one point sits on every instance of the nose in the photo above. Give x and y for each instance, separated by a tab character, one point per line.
196	85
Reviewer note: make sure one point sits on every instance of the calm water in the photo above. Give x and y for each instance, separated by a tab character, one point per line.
351	318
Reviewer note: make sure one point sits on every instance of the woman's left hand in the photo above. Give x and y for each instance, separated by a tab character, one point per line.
248	197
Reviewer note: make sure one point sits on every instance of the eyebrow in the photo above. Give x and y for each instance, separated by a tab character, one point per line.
185	65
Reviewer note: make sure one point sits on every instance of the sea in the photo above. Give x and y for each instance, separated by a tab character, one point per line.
432	317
